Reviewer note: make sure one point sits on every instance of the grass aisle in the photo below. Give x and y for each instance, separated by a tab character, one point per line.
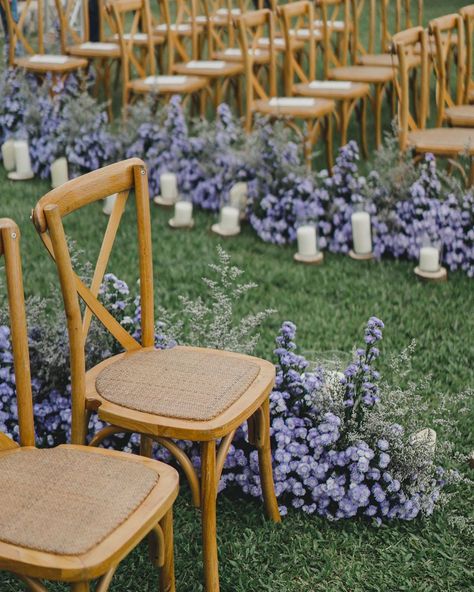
330	305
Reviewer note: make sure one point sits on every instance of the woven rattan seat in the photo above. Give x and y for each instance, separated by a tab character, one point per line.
66	501
460	115
177	382
371	74
443	141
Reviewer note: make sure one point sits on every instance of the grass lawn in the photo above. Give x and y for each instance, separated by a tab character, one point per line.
330	305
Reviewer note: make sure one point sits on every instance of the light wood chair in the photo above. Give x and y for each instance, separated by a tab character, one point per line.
187	393
349	96
440	141
72	513
35	58
138	62
336	66
451	86
467	13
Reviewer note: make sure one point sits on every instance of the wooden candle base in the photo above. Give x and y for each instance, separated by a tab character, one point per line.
172	224
432	276
360	257
316	259
160	201
224	232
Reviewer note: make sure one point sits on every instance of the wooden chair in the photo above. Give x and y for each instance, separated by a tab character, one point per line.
467	13
299	17
187	393
72	513
440	141
36	59
337	68
138	62
451	87
315	114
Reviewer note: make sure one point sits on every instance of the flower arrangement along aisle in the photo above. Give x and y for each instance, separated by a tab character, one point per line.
345	444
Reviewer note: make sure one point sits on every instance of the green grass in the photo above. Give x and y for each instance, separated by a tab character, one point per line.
330	305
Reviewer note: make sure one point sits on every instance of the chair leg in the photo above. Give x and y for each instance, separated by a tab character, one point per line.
265	461
167	581
363	127
345	106
378	96
209	520
329	142
80	587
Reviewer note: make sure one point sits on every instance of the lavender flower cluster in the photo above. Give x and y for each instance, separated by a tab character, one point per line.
208	158
321	465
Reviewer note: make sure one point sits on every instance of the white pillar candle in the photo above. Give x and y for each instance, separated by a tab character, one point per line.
8	155
306	237
169	187
59	172
109	203
183	213
229	218
238	195
429	259
22	158
361	235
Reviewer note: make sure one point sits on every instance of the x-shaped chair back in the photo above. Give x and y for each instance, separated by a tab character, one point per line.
120	178
412	113
467	13
69	32
448	32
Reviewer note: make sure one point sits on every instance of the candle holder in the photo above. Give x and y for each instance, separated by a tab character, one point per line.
238	197
8	155
361	234
429	268
228	224
169	191
183	216
307	240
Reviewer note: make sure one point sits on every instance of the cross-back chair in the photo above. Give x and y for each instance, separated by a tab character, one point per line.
301	78
138	61
467	13
261	95
36	58
335	66
450	86
77	42
186	393
72	513
413	133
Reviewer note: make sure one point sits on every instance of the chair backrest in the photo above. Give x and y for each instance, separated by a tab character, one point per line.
252	26
405	44
295	17
375	40
448	31
132	19
334	57
32	12
467	14
10	249
48	217
182	47
74	32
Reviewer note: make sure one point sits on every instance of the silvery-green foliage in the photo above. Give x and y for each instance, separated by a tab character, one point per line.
211	321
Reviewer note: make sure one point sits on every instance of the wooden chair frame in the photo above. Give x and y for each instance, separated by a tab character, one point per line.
301	14
252	407
16	35
153	517
440	142
467	14
443	30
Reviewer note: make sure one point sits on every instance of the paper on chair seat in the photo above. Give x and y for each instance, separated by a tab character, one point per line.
201	18
236	52
225	11
98	46
291	102
206	64
279	41
165	80
49	59
303	32
180	27
332	24
330	84
136	36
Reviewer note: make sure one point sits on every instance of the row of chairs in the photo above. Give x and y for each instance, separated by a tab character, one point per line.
235	47
184	393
